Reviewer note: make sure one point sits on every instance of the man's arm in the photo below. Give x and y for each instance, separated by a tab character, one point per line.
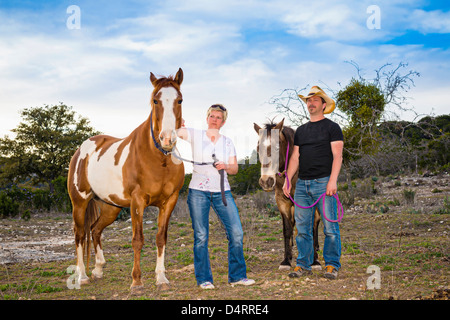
291	170
336	148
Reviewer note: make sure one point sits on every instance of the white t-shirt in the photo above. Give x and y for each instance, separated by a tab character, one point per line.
206	177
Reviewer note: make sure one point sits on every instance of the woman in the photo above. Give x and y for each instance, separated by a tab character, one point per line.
209	146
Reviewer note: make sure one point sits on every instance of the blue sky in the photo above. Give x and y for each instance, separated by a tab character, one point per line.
237	52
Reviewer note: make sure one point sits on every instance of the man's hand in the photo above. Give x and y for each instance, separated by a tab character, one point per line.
286	190
331	188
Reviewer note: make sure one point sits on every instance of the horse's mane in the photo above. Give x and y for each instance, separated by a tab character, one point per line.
165	82
288	132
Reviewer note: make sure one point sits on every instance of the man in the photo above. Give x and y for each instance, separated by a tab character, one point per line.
317	156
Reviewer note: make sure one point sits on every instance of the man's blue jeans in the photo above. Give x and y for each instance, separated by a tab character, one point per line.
199	203
306	193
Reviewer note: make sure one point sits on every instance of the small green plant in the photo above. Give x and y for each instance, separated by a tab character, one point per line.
26	215
445	209
409	196
185	257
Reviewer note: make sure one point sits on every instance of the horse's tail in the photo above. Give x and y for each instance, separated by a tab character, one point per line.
91	216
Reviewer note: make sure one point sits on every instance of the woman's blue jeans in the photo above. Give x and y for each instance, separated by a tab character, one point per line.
306	193
199	203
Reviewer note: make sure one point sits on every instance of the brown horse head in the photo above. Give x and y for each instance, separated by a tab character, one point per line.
166	103
272	146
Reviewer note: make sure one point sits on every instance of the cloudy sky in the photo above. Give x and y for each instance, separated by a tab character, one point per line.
239	53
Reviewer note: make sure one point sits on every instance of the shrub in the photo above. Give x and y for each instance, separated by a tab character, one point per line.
445	209
61	199
42	199
8	206
15	200
409	196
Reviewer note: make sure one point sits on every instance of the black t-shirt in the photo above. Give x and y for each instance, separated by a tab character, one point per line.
313	139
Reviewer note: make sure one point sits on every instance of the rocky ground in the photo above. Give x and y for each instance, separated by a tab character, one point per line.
407	239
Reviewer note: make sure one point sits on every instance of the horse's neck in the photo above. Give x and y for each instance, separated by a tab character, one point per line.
143	137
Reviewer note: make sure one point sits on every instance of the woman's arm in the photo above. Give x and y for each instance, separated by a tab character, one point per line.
231	167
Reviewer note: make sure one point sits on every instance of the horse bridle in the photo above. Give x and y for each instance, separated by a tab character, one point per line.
157	145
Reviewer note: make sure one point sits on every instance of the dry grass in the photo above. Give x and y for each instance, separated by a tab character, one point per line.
409	243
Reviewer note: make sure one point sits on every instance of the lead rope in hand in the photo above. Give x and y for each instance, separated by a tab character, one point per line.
222	181
323	196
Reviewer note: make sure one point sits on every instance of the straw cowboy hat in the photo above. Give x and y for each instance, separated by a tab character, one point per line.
316	91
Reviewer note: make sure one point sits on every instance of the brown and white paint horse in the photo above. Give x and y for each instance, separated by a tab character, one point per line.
108	173
272	147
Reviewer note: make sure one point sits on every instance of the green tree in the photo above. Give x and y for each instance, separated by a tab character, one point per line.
363	103
43	145
247	178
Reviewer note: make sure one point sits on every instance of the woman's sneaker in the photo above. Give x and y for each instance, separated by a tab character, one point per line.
243	282
330	273
207	285
299	272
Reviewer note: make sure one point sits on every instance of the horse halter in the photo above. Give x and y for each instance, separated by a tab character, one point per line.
157	145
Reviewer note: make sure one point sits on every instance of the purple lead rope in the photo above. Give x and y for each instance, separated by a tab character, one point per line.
339	204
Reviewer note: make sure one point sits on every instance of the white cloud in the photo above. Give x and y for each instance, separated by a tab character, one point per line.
426	22
102	70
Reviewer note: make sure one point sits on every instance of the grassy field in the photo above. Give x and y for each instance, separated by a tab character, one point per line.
408	241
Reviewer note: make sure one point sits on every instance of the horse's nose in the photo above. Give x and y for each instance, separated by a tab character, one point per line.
168	138
267	183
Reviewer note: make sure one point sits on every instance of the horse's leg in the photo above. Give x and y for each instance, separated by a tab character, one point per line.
161	239
316	264
107	216
288	228
78	214
137	242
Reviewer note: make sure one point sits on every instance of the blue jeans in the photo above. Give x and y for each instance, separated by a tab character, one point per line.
306	193
199	203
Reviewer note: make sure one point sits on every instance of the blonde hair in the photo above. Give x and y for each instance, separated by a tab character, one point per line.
218	107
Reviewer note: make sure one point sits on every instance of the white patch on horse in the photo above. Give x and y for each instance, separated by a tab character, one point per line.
105	177
81	270
86	149
266	143
168	97
99	263
269	164
160	270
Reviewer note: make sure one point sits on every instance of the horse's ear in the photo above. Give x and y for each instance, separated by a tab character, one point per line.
179	76
153	79
257	128
280	124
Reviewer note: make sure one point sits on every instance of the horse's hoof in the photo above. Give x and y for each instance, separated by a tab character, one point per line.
163	286
96	276
137	290
284	267
84	281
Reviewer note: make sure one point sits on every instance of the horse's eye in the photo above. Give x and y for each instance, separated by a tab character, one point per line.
155	101
180	101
